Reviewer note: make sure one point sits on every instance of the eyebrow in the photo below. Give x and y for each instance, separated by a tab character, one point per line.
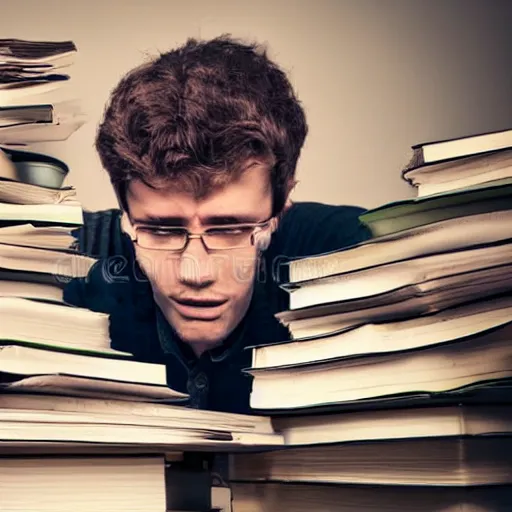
217	220
213	220
155	220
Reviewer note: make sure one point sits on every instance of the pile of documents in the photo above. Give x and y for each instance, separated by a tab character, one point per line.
36	104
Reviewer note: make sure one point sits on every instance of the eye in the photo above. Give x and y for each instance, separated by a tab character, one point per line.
230	231
161	232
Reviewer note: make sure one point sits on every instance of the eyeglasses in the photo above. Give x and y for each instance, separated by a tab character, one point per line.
233	236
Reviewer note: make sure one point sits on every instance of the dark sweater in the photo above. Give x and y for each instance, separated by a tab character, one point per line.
115	285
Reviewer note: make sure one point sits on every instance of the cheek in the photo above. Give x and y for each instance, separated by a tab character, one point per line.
158	268
237	267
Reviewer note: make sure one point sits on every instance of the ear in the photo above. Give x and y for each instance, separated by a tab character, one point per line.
263	238
262	241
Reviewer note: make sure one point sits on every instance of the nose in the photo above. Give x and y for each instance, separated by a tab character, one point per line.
195	266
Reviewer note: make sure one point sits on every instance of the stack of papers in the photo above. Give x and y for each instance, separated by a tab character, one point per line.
33	75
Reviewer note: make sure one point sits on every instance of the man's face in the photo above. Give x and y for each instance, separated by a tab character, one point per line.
203	294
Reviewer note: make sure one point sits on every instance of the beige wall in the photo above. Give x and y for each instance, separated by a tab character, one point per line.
375	76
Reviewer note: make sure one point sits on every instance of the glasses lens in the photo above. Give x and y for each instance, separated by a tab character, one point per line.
228	238
168	239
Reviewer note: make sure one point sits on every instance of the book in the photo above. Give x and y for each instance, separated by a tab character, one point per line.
87	387
28	361
459	186
419	299
69	449
437	151
13	76
385	278
419	211
432	369
102	483
70	214
33	418
25	193
58	238
460	173
438	237
16	50
31	290
399	424
65	125
445	326
18	73
304	497
31	277
53	325
136	412
24	426
29	259
25	114
37	93
436	462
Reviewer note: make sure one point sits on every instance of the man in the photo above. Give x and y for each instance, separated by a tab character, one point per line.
201	146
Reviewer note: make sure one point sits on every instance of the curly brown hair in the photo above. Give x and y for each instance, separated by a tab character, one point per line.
195	116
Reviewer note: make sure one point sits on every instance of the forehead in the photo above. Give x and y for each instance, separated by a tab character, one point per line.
248	197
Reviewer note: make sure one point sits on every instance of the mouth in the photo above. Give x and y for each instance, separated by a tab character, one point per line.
199	309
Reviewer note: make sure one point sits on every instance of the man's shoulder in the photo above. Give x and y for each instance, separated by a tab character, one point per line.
113	277
115	286
101	235
308	208
308	228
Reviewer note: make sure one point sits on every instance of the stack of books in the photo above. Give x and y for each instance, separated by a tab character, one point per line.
399	374
81	425
118	454
38	212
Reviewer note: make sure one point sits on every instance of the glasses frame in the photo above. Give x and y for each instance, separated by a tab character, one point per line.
257	227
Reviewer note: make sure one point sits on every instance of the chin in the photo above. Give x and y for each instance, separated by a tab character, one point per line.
200	333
